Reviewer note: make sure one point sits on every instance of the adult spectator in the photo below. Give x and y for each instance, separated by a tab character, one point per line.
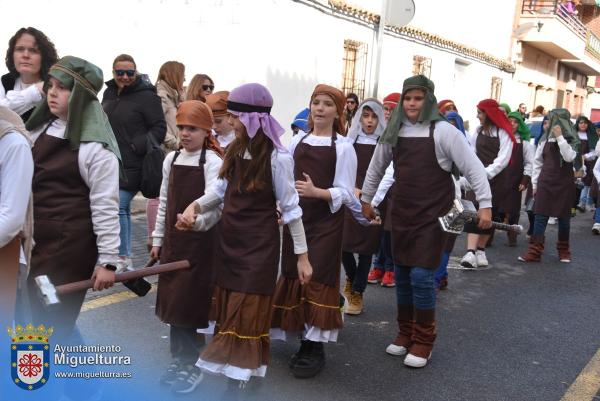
28	59
200	87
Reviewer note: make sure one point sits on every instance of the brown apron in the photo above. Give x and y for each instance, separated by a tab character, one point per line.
249	236
555	192
513	178
184	297
589	165
65	243
422	192
323	229
357	238
9	272
487	149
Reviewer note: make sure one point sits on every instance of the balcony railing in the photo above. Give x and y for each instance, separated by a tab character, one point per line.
546	8
592	44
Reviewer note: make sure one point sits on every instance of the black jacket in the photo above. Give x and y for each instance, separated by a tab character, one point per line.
134	114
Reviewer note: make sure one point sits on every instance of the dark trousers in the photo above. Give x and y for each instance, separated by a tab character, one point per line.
357	273
384	259
564	226
184	344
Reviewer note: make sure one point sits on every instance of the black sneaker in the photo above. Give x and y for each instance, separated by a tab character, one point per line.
170	375
305	346
188	378
310	364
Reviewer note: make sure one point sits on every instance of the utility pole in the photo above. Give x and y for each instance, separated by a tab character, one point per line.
380	32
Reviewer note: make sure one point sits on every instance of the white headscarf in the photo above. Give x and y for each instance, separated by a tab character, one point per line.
356	128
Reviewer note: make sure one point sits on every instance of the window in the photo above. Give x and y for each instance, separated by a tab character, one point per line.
355	68
496	88
422	66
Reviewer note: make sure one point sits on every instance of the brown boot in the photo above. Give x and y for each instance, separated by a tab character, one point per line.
564	252
512	238
534	252
347	289
355	304
405	331
424	334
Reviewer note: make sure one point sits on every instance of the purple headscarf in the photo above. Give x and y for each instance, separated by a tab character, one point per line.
252	103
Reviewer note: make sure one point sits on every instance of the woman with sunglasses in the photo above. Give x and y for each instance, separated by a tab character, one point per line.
29	57
351	107
134	111
200	87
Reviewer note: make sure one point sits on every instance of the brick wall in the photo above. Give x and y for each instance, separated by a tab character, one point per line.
590	16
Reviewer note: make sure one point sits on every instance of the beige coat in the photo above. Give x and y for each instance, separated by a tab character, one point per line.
170	99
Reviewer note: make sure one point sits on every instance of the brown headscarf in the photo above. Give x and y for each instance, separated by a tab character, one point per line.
218	103
12	122
339	125
197	114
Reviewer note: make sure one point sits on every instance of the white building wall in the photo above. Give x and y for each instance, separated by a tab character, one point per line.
287	46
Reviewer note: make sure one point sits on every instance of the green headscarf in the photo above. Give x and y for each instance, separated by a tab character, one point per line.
562	117
87	121
429	112
506	107
523	129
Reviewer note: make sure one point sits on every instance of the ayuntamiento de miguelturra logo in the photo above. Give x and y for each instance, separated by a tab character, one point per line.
30	355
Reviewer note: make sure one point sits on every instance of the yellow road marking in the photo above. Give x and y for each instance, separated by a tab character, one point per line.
587	384
111	299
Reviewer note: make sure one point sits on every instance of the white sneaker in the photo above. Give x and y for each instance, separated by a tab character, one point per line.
396	350
552	220
415	361
481	258
596	228
469	260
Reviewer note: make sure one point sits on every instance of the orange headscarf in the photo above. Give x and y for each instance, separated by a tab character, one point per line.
339	125
218	103
197	114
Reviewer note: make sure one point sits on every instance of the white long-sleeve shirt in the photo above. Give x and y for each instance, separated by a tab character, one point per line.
21	98
99	169
16	172
597	171
566	151
342	191
282	170
503	157
226	139
212	166
450	147
384	185
528	155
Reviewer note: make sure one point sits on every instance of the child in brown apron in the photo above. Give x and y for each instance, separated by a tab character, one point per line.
325	173
368	126
75	190
588	138
493	146
183	299
553	186
16	171
423	147
518	173
222	130
255	176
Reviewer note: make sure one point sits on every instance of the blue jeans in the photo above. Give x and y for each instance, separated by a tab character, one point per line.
597	216
125	198
564	226
585	198
384	259
415	286
442	270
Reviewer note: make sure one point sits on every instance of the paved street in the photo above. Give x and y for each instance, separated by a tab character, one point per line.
512	332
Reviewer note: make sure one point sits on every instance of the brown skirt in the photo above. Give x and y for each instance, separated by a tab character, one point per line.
242	331
314	304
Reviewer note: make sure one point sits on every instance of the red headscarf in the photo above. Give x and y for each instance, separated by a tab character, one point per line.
442	104
491	108
392	98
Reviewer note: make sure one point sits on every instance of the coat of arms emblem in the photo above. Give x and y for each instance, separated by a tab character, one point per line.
30	355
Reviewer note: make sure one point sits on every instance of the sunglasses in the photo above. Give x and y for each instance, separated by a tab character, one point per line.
208	87
120	73
350	102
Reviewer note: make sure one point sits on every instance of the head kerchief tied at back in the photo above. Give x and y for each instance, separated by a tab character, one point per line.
87	121
506	107
356	128
458	121
491	108
392	99
562	117
523	129
196	113
592	136
218	103
429	112
340	103
443	104
301	120
252	103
